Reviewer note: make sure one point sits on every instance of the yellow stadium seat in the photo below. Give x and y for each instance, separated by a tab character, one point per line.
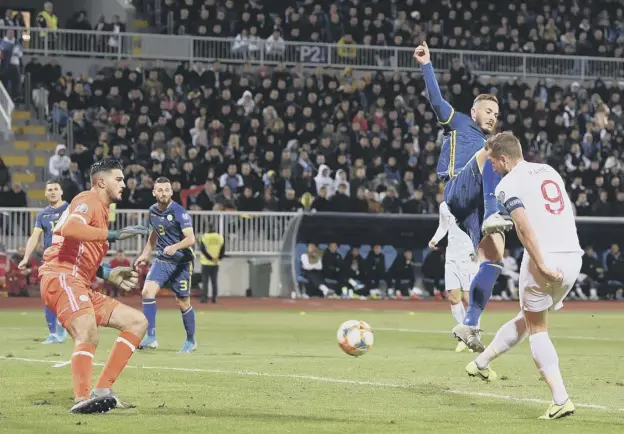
21	115
35	130
45	145
22	145
41	162
24	177
16	160
36	194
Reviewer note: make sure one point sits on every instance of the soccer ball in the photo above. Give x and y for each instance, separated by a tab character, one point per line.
355	337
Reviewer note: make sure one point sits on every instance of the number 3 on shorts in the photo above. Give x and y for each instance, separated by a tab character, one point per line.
184	285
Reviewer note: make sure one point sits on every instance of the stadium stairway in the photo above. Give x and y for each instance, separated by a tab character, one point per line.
28	154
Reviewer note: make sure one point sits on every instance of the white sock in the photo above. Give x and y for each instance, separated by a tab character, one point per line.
506	338
547	360
324	289
459	312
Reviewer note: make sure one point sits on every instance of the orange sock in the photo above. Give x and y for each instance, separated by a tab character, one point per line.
124	346
82	369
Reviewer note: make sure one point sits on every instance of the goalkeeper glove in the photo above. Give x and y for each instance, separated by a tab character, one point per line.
127	232
124	278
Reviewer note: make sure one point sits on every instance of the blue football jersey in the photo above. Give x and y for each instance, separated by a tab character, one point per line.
462	142
46	220
168	225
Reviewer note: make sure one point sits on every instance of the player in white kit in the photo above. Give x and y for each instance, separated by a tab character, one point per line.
536	198
460	267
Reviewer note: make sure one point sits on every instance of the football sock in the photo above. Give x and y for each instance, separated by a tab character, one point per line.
490	181
188	318
481	289
50	320
547	361
509	335
82	369
458	311
123	348
149	310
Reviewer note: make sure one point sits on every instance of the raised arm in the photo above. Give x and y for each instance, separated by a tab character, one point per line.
443	110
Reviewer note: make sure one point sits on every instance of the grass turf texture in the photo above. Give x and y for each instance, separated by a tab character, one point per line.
282	372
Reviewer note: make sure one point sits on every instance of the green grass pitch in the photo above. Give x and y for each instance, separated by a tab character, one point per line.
282	372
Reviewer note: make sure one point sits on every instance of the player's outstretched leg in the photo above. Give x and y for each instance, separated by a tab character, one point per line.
188	319
547	361
52	327
83	329
148	293
492	220
508	336
133	326
481	287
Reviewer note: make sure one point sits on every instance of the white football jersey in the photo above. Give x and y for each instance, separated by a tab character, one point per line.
541	191
460	246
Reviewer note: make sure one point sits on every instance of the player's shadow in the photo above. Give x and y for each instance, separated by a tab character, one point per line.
241	413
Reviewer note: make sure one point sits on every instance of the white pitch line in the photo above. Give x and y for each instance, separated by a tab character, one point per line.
448	332
382	384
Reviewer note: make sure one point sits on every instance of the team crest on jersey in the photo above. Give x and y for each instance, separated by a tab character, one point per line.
82	208
169	217
501	197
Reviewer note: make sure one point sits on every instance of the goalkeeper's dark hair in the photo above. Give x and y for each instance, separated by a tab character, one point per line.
162	180
53	181
105	165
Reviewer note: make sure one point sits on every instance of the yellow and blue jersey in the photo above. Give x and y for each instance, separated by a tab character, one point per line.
464	138
168	225
46	220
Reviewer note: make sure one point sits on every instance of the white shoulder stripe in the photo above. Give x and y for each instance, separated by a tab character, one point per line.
80	217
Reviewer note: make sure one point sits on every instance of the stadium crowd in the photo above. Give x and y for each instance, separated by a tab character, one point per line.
551	27
283	140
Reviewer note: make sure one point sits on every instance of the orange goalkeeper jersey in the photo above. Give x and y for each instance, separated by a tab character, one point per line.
68	254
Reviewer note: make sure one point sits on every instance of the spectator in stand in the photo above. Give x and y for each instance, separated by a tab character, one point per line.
312	266
47	19
5	177
591	276
59	161
401	275
16	197
375	265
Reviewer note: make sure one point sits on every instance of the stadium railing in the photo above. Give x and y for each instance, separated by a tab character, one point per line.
6	110
256	233
143	46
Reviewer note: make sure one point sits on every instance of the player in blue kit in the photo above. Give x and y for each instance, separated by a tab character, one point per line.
44	225
172	236
469	191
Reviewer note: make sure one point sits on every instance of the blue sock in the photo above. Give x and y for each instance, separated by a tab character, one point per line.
481	290
149	310
188	318
50	319
490	180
